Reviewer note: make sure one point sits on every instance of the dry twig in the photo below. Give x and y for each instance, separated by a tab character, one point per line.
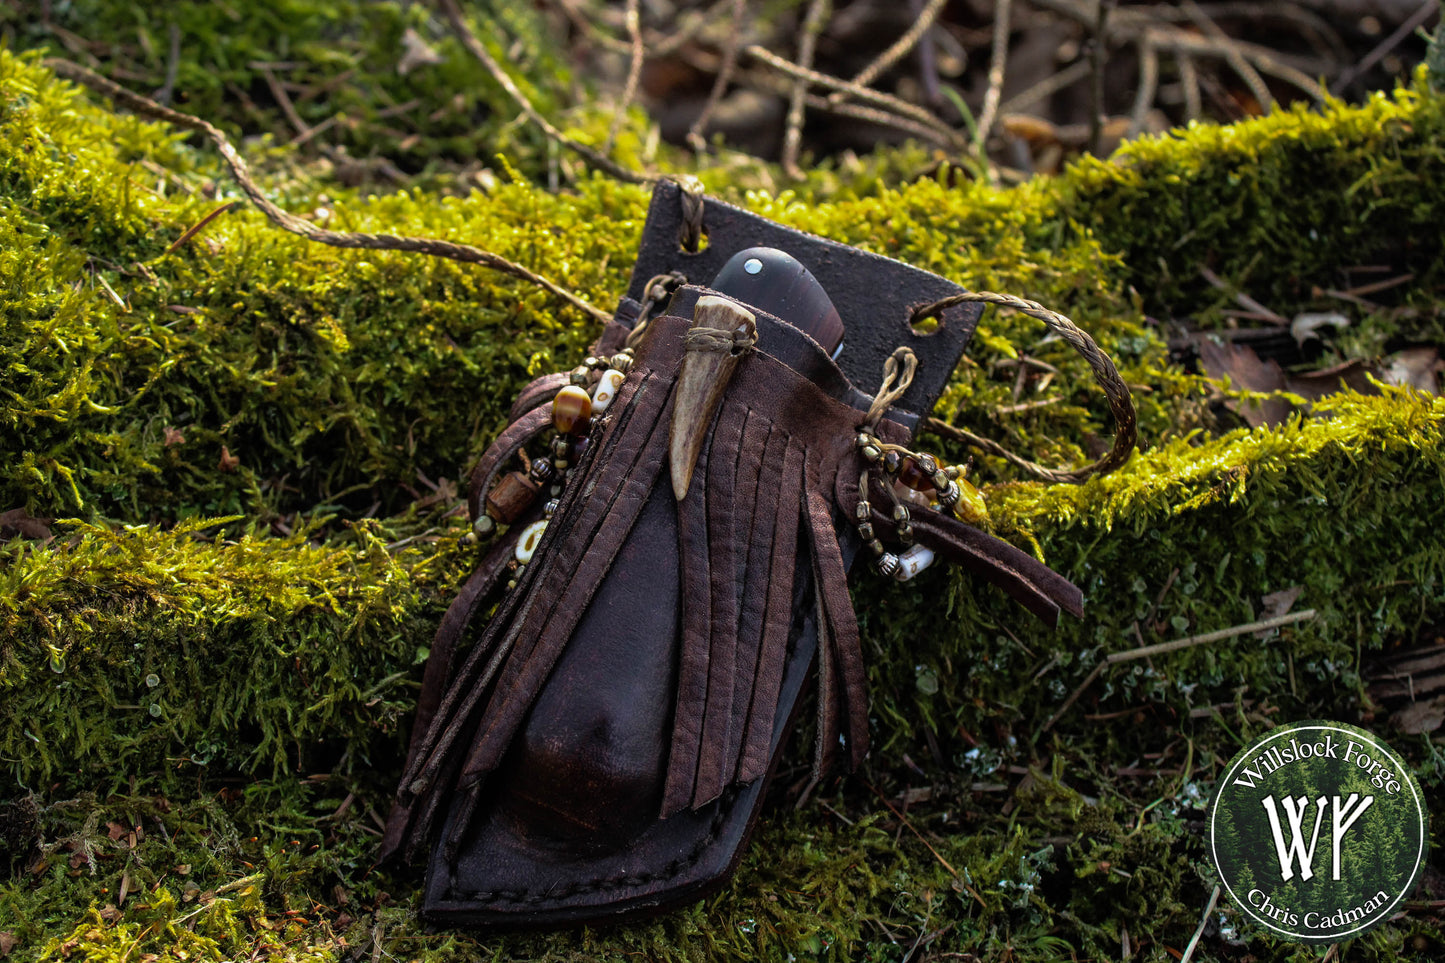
290	222
696	134
634	74
997	63
882	101
813	24
475	47
896	52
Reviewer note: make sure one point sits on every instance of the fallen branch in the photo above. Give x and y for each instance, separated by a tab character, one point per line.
290	222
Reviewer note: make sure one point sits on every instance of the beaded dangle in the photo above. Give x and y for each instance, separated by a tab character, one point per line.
591	389
906	477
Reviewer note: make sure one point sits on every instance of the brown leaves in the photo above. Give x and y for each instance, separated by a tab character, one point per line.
7	943
17	523
1419	368
228	462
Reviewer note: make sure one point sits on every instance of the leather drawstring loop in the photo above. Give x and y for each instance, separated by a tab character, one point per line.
1121	403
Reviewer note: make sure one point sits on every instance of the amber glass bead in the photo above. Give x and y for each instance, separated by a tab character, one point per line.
572	411
912	474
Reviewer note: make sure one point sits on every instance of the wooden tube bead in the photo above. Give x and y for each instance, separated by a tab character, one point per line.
511	496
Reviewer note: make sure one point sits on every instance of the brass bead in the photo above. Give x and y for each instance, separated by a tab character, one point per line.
928	463
888	564
948	494
578	376
560	464
540	471
865	529
622	361
891	461
876	547
864	510
592	362
905	533
900	513
551	507
484	525
872	452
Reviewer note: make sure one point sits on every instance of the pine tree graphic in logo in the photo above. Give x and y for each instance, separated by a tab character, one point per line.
1318	831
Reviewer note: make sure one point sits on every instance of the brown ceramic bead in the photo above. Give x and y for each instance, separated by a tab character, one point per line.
510	497
572	411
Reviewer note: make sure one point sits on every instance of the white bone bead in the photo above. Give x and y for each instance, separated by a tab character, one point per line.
527	544
913	561
606	390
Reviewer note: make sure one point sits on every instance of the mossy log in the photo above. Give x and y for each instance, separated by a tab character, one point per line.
206	673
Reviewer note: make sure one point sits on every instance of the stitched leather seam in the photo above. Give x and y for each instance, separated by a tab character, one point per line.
556	894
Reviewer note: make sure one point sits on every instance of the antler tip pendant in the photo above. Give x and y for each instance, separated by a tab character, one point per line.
722	331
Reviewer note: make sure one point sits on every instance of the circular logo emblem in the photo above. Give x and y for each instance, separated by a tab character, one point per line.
1317	830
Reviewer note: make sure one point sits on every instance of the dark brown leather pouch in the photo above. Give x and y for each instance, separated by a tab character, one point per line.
601	748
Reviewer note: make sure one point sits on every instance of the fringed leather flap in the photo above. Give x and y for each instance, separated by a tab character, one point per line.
759	545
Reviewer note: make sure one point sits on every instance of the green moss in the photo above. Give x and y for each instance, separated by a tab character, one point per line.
337	62
239	687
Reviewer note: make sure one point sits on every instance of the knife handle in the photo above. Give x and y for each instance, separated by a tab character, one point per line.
776	282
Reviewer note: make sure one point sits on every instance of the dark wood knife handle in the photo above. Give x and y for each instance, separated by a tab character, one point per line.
777	282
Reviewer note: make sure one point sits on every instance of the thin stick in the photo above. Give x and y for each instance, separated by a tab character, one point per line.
696	134
1417	19
1144	652
896	52
1240	298
1232	56
813	23
1203	922
290	222
1261	626
1070	75
283	100
453	13
634	74
996	66
1189	77
864	94
195	228
1098	57
1074	696
173	66
904	820
883	119
1148	84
